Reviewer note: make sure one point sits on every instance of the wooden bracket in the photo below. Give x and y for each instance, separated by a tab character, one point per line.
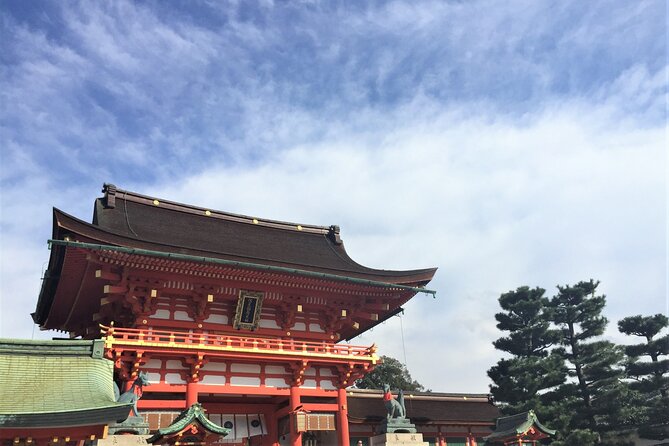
298	369
285	315
195	364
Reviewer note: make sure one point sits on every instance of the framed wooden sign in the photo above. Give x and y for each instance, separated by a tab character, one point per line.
248	310
314	422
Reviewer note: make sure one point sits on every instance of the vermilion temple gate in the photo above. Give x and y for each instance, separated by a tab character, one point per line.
240	314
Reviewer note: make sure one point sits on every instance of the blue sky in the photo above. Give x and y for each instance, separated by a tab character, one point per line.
507	145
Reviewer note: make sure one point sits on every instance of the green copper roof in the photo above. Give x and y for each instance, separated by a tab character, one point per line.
518	424
56	383
193	414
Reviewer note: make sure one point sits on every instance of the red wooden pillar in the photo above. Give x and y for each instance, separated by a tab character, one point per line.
295	436
272	437
342	418
191	393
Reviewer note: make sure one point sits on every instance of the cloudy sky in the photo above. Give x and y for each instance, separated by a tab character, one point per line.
508	144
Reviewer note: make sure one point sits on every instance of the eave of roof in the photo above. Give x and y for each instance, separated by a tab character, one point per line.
366	405
436	396
246	265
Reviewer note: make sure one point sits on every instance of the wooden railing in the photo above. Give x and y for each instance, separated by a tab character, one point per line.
223	342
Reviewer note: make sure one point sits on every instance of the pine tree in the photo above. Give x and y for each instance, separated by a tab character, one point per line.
521	382
595	395
649	378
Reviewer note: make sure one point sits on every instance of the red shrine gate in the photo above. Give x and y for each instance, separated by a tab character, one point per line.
239	314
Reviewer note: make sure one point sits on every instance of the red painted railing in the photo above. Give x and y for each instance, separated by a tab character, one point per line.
223	342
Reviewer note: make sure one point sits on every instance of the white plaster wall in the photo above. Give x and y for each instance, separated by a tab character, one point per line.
245	368
174	378
217	319
181	316
213	379
276	382
244	381
161	314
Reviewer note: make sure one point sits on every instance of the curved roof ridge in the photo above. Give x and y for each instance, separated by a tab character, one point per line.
61	217
112	192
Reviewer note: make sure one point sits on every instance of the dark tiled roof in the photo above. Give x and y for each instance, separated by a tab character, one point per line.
166	225
426	407
56	383
129	220
518	424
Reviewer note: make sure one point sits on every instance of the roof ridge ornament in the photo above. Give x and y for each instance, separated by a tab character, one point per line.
110	195
333	234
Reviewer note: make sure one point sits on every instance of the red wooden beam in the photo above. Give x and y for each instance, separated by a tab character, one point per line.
161	404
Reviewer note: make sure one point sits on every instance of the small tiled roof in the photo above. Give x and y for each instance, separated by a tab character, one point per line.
194	414
56	383
518	424
367	405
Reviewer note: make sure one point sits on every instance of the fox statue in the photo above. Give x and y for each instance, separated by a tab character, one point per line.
394	407
131	396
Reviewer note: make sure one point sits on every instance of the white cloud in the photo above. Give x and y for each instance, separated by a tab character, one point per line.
495	205
507	146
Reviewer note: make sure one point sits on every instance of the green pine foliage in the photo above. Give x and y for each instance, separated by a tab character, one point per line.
594	365
648	373
523	382
559	365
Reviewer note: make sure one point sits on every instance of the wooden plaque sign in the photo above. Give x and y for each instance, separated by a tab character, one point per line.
314	422
248	310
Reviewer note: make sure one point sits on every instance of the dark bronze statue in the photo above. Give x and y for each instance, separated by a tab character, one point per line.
131	395
396	414
394	406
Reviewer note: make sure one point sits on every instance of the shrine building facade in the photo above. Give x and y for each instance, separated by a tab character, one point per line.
243	315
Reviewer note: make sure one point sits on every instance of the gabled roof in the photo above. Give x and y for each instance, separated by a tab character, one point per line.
56	384
519	424
193	415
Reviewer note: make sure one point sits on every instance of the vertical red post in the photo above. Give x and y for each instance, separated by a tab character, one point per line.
191	393
295	436
272	436
342	418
